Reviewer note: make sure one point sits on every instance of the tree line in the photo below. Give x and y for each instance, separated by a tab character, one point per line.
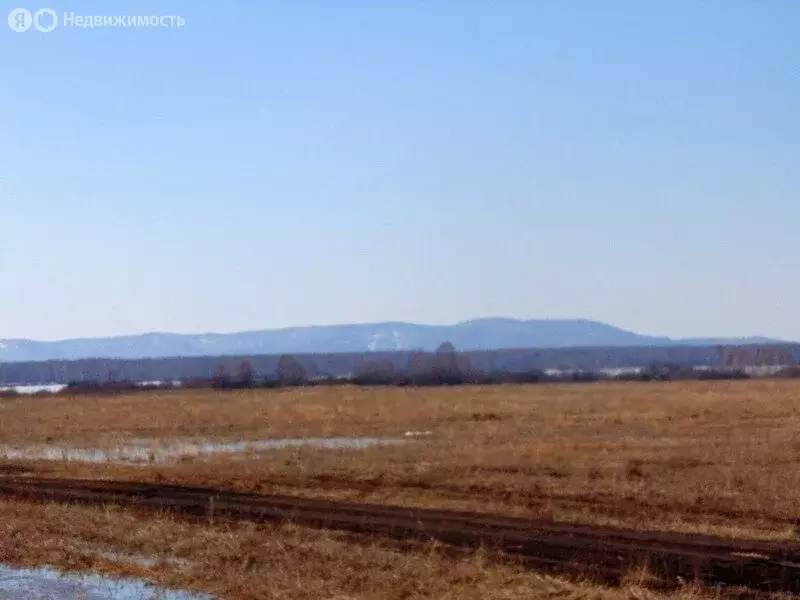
443	367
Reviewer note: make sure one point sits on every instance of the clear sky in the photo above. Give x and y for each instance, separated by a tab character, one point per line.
328	161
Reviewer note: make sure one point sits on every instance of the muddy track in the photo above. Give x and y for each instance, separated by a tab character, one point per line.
620	507
601	553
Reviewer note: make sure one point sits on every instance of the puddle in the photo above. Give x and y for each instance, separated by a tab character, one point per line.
33	389
150	451
49	584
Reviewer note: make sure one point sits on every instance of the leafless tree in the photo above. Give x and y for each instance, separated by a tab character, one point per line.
291	371
246	376
220	378
445	363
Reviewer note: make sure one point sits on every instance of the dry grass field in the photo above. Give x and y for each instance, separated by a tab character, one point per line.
713	457
247	562
717	457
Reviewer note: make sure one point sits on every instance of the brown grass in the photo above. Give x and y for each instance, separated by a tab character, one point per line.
238	562
716	457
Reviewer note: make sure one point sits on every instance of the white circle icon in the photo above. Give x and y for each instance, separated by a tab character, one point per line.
53	21
20	19
44	20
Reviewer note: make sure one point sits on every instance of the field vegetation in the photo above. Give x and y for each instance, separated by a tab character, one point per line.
238	562
717	457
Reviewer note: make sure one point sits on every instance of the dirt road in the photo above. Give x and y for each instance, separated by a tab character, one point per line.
601	553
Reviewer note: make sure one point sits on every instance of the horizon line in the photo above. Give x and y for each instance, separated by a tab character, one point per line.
392	322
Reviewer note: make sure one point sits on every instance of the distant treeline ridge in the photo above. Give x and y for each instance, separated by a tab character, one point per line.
406	367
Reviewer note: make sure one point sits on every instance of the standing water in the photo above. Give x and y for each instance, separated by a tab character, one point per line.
49	584
154	451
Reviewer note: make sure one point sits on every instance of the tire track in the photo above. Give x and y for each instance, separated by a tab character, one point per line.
602	553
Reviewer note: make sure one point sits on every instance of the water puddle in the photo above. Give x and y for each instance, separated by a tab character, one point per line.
49	584
34	389
153	452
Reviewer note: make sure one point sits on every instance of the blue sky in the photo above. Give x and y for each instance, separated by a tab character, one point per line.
316	161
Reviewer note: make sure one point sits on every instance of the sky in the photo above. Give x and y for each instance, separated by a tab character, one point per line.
307	162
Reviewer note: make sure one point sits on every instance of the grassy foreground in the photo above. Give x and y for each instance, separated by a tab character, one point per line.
238	562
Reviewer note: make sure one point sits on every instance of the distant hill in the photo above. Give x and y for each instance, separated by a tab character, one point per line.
477	334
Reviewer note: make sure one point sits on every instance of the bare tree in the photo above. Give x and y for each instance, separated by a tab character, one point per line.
445	363
220	378
291	371
246	376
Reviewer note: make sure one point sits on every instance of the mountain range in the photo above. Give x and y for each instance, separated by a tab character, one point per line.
476	334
